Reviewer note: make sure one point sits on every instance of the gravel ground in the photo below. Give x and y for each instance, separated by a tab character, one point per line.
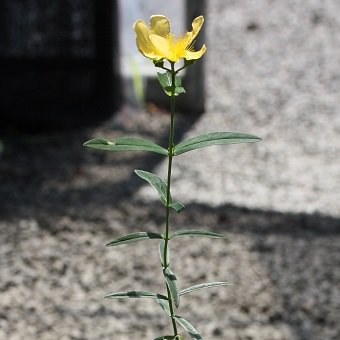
60	203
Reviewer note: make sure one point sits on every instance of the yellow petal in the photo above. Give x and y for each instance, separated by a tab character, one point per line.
143	41
196	27
192	55
160	25
157	42
162	47
142	36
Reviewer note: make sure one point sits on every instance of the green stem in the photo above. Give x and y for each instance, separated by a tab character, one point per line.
167	212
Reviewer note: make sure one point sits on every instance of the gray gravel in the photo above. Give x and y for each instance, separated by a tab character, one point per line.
60	203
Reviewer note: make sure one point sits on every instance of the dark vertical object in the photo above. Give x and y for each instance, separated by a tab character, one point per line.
194	80
3	26
115	56
64	43
56	62
103	38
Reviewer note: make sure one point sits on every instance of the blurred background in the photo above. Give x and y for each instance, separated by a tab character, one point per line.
58	61
70	72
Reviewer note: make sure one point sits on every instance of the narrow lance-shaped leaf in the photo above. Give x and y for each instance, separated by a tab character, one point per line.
170	279
164	304
156	182
165	337
196	233
178	206
188	327
161	187
125	144
213	138
136	294
203	286
134	237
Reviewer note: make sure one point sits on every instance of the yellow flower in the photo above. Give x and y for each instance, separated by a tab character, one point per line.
157	42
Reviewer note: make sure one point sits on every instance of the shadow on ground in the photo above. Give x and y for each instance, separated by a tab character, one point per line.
53	189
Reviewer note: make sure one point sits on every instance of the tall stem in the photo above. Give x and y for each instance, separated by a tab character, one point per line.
167	212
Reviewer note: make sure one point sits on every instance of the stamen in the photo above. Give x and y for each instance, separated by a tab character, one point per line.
190	47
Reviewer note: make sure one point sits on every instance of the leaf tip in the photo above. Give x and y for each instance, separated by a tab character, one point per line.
109	244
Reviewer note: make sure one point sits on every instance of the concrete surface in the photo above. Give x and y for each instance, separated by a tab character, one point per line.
273	70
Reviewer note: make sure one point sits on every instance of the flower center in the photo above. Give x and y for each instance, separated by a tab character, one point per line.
178	45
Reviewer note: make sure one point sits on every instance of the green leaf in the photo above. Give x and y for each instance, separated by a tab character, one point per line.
135	294
178	206
196	233
170	279
161	187
213	138
165	337
178	87
161	253
156	182
164	305
203	286
165	80
188	327
125	144
134	237
179	90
